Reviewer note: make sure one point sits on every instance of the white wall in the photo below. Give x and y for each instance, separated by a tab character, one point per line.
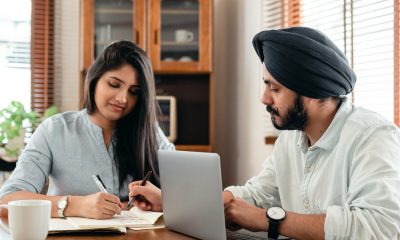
239	114
66	54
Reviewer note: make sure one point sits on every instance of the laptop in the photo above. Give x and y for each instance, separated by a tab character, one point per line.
192	195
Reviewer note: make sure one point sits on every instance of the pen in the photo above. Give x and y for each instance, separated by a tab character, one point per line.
141	184
99	183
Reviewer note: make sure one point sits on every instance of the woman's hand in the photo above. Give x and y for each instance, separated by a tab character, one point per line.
99	206
150	196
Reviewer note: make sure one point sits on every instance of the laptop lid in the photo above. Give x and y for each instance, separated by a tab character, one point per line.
192	193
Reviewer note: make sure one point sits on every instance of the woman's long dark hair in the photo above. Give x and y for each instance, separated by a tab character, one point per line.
134	140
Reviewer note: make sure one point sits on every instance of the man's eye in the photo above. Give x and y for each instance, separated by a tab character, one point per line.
271	88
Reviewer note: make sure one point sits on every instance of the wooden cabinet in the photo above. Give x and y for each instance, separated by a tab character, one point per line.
180	36
177	35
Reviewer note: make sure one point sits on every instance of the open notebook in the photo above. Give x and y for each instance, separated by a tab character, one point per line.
134	219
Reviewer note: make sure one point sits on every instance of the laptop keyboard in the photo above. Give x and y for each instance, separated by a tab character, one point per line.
231	235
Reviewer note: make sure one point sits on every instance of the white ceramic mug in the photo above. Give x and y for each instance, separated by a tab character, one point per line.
28	219
185	59
182	35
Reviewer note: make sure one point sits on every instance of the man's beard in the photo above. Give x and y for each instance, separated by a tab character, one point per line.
295	119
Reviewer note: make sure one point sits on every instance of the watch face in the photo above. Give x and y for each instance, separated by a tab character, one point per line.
62	204
276	213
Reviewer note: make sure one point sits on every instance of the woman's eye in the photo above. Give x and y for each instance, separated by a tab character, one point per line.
113	85
134	92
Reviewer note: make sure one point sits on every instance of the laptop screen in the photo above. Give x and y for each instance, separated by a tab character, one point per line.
192	193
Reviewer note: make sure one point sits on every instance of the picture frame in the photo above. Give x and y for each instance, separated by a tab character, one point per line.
168	119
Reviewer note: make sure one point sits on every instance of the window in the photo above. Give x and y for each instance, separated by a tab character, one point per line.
15	43
26	53
366	31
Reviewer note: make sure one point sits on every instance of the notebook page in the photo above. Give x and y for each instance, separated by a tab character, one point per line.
132	218
59	225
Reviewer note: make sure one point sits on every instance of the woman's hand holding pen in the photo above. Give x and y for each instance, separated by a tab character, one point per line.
100	206
151	199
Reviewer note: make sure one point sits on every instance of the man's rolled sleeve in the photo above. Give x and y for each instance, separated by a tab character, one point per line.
260	190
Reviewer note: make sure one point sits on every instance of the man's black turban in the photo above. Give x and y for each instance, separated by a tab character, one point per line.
305	61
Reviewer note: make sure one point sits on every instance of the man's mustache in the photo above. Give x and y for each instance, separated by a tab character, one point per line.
272	110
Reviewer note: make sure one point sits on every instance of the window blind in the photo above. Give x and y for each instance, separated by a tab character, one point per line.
42	74
364	31
290	13
373	59
327	16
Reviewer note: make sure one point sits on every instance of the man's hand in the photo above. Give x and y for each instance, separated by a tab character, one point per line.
99	206
150	199
240	214
227	196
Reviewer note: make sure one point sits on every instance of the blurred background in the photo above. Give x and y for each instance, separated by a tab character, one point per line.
209	79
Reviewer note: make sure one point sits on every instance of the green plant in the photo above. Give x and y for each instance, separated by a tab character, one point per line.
13	122
50	112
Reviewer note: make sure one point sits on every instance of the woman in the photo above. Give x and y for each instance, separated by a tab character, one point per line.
115	136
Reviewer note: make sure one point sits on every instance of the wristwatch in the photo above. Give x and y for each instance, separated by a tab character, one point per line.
275	216
61	206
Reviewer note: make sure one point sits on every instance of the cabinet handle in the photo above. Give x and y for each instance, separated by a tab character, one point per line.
155	37
137	38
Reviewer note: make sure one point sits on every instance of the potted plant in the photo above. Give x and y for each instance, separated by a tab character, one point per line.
14	121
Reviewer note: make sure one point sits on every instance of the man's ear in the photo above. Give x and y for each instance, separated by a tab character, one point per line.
310	103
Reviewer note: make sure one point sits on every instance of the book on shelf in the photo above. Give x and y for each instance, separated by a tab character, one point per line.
134	219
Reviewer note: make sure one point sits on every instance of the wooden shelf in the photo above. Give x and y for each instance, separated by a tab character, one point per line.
175	43
194	148
180	12
113	11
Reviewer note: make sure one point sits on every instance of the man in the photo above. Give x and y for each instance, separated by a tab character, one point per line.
335	169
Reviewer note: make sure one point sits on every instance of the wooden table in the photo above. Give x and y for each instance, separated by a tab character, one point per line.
137	235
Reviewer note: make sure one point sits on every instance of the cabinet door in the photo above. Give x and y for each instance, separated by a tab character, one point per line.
104	21
180	36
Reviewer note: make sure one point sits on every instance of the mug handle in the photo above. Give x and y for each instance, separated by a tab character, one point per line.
3	225
190	36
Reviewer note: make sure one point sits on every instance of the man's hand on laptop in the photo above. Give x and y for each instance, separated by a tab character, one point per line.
227	196
241	214
150	199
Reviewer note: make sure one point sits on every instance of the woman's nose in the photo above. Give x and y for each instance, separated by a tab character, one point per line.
122	97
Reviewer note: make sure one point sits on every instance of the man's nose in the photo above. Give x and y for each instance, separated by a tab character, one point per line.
266	98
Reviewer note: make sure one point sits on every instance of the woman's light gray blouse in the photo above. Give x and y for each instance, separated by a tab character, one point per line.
69	149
